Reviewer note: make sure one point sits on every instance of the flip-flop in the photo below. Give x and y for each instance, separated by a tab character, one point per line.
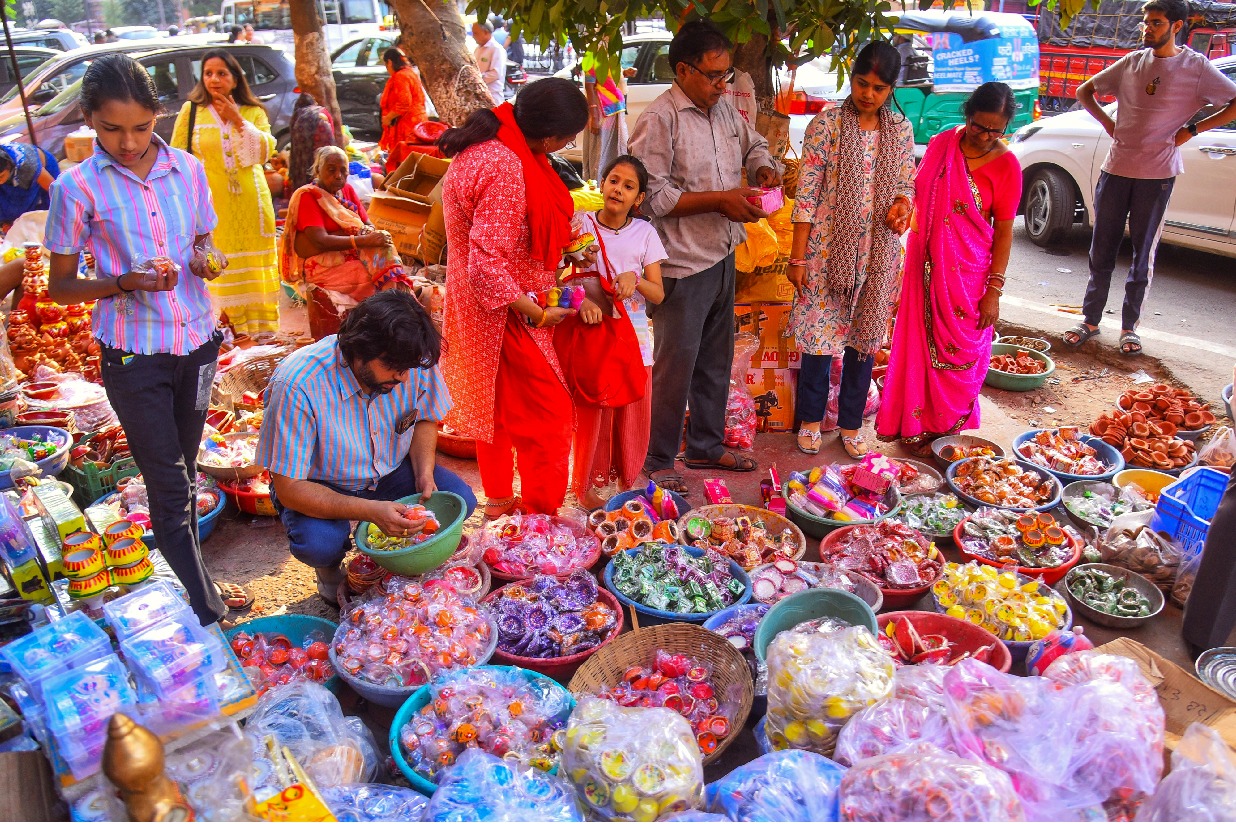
669	480
1083	332
852	442
741	463
1132	341
234	596
809	441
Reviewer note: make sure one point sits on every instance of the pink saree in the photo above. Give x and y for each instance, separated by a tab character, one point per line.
939	355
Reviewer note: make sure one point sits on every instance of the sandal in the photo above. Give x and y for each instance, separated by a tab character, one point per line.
809	441
1081	333
1130	344
496	508
233	595
738	463
669	480
853	443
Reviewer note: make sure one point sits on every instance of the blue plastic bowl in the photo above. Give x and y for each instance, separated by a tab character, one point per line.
49	466
421	697
1040	471
652	617
759	704
205	523
615	503
296	628
1106	453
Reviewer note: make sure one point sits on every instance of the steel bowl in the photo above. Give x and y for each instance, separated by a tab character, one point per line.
1103	619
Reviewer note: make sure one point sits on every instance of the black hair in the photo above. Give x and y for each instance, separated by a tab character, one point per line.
1176	11
394	55
881	58
694	40
553	107
118	77
392	327
641	171
242	94
234	34
993	98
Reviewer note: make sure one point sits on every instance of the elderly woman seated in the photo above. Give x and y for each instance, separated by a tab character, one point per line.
329	245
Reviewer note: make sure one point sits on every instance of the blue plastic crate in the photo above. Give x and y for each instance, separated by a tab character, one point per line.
1185	508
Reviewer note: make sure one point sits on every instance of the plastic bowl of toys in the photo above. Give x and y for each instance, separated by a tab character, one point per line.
953	448
962	638
1094	504
1018	358
779	580
1084	584
702	525
651	616
416	558
1104	453
296	628
42	439
817	526
615	503
206	520
893	597
229	457
809	605
994	478
1071	551
251	495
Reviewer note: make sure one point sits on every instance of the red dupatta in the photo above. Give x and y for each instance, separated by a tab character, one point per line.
547	198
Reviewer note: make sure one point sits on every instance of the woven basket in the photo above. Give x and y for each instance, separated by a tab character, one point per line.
789	178
252	375
456	446
731	677
775	523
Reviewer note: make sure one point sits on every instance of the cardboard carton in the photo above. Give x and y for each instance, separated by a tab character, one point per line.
770	322
403	217
773	390
419	177
416	224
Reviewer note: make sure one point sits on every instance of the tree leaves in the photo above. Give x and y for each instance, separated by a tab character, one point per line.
1067	9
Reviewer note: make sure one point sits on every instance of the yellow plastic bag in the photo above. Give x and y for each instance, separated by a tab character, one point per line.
759	249
783	228
587	199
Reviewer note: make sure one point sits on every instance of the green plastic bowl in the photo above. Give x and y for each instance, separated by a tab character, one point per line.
420	558
818	527
1018	383
792	610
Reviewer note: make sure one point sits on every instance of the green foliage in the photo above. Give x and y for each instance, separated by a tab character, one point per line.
1067	9
797	30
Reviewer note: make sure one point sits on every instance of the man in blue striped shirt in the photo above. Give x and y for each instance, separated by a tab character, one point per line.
351	425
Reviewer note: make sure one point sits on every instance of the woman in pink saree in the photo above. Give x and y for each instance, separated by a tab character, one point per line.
966	195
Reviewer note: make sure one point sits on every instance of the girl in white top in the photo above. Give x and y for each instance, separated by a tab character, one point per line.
610	444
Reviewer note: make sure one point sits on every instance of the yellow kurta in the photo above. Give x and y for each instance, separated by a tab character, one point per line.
248	291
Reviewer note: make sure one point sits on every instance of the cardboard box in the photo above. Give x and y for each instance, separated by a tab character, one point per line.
416	224
770	322
79	145
773	390
403	217
1185	699
419	176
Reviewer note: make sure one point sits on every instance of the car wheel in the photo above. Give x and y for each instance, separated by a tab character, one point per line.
1050	204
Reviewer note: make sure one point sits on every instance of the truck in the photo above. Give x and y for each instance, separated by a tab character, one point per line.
1101	34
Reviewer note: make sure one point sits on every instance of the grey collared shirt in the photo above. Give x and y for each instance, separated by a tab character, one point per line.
688	149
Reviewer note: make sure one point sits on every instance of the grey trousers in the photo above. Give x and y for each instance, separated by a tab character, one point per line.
693	350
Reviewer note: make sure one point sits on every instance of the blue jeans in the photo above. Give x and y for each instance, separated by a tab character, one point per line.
322	542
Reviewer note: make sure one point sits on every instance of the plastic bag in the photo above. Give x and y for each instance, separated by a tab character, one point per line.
759	249
740	417
374	802
791	785
889	726
483	787
632	764
925	783
305	717
1220	450
817	681
361	178
1131	544
1202	783
1186	574
207	260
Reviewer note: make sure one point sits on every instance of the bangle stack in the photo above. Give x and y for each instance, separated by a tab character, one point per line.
995	282
797	262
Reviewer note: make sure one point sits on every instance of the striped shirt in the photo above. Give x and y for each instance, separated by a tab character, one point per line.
320	426
101	206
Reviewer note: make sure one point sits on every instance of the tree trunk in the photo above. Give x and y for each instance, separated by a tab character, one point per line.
313	73
752	57
432	34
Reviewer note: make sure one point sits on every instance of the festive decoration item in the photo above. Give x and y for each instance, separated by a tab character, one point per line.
675	579
1002	483
520	546
483	787
1006	604
890	553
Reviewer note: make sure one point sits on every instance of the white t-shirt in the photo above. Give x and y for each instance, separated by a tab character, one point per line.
1155	97
491	61
630	249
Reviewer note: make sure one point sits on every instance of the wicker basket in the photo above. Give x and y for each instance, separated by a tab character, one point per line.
789	178
252	375
775	523
230	473
731	677
456	446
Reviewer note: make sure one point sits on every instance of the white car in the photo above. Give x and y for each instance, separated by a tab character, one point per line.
1061	158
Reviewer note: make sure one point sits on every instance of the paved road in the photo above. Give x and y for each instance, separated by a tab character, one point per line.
1187	321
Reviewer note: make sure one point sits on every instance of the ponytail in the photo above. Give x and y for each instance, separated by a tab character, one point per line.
480	126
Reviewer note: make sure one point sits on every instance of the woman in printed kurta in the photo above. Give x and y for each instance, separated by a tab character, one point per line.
231	136
507	220
854	199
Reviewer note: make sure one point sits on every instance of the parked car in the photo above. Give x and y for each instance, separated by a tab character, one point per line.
1061	158
57	74
29	59
175	71
137	32
360	76
59	39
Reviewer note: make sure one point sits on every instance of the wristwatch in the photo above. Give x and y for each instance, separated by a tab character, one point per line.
1192	129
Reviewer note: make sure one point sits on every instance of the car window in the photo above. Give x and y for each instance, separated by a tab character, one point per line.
256	71
26	62
1230	71
662	72
164	75
348	57
1207	111
70	96
66	77
367	57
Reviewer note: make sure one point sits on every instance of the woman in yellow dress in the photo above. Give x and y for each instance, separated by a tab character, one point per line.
225	127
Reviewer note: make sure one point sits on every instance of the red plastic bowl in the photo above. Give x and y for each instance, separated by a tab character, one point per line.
1049	575
894	598
560	669
588	563
966	636
254	503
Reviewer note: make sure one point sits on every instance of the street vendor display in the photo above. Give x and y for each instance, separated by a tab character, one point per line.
772	582
744	534
899	559
630	525
1098	504
1162	404
917	638
1033	541
41	332
1068	454
1143	442
1007	604
551	617
686	582
520	546
862	492
483	787
272	658
935	514
1003	483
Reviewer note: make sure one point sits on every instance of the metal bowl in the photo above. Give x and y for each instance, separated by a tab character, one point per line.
1076	490
963	441
1103	619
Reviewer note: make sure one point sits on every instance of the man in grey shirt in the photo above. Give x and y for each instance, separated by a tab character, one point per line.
695	145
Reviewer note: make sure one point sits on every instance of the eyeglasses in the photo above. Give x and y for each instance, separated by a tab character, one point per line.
715	78
984	130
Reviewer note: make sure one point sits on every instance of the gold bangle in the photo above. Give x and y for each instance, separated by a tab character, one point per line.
995	289
540	324
353	239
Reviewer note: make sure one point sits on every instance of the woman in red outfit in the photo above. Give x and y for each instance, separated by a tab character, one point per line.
403	101
507	220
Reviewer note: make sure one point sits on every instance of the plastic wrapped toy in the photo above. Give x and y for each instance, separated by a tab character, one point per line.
925	783
671	578
1058	643
817	681
483	787
520	546
551	617
740	418
632	764
791	785
505	711
1202	783
272	658
374	802
890	726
